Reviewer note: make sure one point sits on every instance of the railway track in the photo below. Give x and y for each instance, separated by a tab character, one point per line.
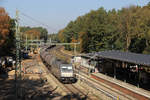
72	90
77	92
99	83
62	55
114	93
103	88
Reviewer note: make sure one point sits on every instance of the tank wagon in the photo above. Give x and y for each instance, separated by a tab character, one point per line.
60	69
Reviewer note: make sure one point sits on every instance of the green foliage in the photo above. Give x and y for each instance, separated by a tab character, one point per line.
137	45
53	37
7	33
43	32
127	29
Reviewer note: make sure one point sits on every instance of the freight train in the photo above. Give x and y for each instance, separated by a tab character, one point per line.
61	70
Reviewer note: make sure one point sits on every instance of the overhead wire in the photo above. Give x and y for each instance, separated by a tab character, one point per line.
37	21
25	21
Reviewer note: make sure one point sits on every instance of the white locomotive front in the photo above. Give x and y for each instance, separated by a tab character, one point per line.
67	73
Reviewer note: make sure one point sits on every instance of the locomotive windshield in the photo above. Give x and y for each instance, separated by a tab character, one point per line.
66	68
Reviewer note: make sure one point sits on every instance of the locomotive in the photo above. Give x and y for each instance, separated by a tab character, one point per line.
60	69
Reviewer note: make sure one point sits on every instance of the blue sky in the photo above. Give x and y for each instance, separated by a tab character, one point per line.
58	13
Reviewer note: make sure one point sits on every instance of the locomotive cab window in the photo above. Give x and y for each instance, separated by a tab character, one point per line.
66	68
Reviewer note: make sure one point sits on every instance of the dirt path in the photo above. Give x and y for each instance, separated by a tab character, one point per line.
33	86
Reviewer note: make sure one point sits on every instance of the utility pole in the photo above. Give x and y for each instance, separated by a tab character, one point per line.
26	43
37	43
50	40
75	51
31	42
18	58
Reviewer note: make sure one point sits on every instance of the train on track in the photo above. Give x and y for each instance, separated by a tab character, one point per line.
60	69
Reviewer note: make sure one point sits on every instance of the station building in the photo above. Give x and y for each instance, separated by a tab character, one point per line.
125	66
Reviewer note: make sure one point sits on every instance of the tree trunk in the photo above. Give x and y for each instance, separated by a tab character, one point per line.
128	41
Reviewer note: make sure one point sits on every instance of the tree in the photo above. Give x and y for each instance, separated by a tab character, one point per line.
84	41
40	32
98	30
61	36
6	32
33	34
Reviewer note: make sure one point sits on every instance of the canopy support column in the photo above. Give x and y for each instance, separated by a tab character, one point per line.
138	72
114	66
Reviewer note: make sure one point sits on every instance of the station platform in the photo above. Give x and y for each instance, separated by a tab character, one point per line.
127	88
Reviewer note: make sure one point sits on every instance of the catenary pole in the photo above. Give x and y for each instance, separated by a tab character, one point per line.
18	58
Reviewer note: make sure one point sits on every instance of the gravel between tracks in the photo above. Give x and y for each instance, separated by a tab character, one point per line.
54	84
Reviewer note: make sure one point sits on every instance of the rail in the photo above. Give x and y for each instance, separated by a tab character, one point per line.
99	89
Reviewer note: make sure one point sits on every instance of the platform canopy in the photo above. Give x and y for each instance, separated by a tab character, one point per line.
141	59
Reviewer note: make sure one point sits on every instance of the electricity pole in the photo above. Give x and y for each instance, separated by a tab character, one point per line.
18	58
26	43
75	51
37	44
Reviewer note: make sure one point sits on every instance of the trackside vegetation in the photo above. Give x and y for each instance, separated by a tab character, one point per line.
127	29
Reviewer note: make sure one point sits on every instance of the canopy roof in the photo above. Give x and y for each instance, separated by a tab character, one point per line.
135	58
141	59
